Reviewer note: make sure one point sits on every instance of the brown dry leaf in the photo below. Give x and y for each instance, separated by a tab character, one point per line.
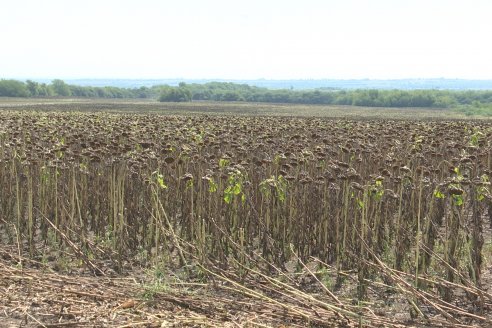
128	304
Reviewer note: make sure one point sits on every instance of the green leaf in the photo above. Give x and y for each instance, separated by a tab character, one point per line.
281	195
438	194
237	189
160	180
228	198
223	162
458	200
228	190
212	186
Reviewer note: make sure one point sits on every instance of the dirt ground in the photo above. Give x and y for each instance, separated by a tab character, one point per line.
34	295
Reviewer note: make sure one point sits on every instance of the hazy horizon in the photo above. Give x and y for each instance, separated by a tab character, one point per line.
219	79
232	40
302	84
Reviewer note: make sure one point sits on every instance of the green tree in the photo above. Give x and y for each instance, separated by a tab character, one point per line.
33	88
175	95
60	88
13	88
45	90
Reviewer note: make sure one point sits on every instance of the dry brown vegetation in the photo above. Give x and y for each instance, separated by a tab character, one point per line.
261	221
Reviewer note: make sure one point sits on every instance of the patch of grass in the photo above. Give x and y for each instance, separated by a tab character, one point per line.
475	110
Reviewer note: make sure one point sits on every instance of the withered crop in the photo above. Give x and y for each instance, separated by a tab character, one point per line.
411	197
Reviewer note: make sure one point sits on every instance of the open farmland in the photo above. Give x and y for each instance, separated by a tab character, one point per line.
228	108
258	220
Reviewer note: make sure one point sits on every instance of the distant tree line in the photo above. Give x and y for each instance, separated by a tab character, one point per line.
224	91
58	88
220	91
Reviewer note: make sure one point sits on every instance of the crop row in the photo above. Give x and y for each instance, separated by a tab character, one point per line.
414	195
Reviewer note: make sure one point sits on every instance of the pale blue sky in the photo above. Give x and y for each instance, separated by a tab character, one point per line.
246	39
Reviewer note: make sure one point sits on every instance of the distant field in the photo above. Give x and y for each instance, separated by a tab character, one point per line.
228	108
